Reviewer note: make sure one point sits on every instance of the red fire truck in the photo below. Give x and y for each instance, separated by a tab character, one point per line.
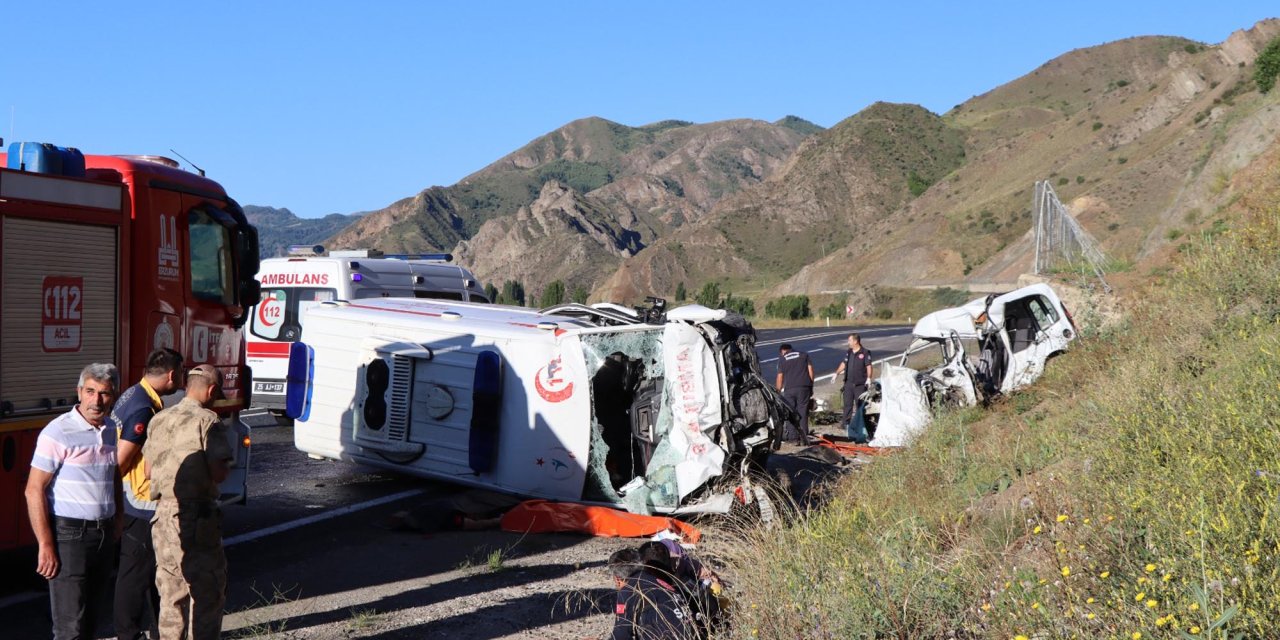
105	258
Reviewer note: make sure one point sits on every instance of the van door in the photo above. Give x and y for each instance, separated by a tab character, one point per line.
1034	328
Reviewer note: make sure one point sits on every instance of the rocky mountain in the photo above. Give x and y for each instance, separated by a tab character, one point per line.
583	198
1139	137
838	182
279	228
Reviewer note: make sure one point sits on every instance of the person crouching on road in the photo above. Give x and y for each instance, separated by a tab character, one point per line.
187	455
137	602
73	500
651	604
795	381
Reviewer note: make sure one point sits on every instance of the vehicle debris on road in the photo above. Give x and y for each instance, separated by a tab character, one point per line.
985	348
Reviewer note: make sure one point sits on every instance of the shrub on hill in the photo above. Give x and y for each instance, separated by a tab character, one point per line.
1132	492
788	307
1267	66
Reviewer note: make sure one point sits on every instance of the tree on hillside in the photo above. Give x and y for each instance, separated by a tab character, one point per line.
491	292
552	294
835	310
740	306
1267	66
580	294
681	294
788	307
709	296
512	293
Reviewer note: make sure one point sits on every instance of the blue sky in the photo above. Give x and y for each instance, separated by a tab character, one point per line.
327	107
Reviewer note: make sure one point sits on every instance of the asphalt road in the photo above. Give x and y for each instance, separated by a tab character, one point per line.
307	518
826	346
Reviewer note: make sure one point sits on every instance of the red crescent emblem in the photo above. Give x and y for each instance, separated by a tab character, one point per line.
548	391
262	312
139	428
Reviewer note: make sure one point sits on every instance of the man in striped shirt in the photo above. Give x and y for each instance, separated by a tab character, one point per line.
74	501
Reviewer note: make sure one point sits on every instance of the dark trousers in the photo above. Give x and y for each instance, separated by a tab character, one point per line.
79	596
137	600
851	394
799	400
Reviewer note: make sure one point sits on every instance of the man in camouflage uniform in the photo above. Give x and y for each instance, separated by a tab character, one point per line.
187	455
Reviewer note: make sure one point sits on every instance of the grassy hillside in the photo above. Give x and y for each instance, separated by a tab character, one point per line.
1131	493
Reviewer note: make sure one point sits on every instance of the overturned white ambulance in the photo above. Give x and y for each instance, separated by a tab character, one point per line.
639	410
987	347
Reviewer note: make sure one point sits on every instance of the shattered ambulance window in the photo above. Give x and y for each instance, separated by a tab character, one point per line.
626	370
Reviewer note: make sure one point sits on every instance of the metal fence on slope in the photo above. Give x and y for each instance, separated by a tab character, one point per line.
1061	243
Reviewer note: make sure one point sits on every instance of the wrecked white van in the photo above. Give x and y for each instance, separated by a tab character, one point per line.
644	411
987	347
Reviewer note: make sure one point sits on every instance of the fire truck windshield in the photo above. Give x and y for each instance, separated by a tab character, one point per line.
212	275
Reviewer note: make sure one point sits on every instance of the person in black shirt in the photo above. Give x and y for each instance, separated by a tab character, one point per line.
856	368
795	381
651	604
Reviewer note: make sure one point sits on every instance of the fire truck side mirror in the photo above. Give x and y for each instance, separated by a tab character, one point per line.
250	293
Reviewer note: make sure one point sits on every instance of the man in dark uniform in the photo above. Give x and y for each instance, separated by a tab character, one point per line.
651	603
856	368
137	602
795	381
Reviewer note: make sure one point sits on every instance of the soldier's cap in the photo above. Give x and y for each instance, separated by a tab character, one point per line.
209	373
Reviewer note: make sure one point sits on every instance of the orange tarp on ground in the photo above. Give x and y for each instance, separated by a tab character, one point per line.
849	449
541	516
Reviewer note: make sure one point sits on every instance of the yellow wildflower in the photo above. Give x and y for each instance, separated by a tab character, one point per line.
1150	568
1037	529
1167	577
1086	521
1142	580
1062	518
1193	607
1090	601
1151	604
1020	637
1089	616
1035	605
1066	571
1137	635
1140	597
1193	630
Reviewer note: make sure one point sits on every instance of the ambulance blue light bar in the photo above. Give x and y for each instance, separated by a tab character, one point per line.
297	388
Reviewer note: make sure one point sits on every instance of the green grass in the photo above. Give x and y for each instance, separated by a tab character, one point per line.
1133	490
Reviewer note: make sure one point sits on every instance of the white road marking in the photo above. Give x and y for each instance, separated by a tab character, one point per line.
319	517
767	361
831	375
